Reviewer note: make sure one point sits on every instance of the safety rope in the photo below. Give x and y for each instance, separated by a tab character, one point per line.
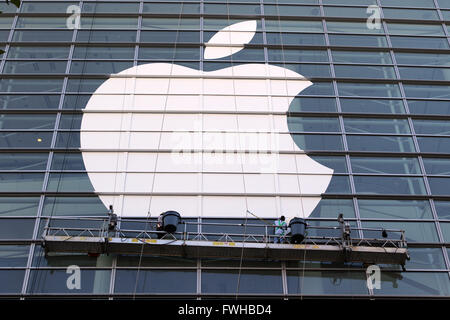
159	145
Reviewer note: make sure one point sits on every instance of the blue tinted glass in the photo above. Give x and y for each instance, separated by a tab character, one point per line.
439	74
442	209
394	209
310	124
330	208
389	185
35	101
156	281
417	42
434	145
19	206
318	142
432	127
414	231
372	106
414	284
368	89
380	143
437	166
358	41
12	281
16	228
73	206
14	256
374	125
23	161
306	104
377	165
439	186
429	107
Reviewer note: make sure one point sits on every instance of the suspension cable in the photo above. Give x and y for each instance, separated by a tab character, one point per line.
159	145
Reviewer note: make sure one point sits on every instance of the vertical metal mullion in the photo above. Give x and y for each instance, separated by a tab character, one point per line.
199	278
8	43
441	17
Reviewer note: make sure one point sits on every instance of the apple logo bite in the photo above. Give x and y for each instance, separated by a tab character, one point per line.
161	136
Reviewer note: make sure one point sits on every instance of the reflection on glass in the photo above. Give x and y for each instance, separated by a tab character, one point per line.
394	209
156	281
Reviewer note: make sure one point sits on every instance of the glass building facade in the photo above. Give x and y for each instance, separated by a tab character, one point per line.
377	113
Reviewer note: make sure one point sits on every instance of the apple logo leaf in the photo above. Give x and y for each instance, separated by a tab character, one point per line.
230	40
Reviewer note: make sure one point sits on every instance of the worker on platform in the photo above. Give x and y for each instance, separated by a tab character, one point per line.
280	230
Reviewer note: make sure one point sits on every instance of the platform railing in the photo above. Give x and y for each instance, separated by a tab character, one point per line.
265	236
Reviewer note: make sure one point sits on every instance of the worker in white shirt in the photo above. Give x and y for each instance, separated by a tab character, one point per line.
280	230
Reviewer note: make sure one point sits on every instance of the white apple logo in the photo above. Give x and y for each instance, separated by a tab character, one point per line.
242	107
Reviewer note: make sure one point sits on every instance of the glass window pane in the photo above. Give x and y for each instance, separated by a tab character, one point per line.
339	184
73	206
371	72
286	11
12	281
21	182
414	284
46	7
255	281
15	206
437	166
424	59
377	165
156	281
368	89
69	182
293	26
20	140
110	7
55	281
329	208
431	127
414	231
410	3
427	91
169	53
27	121
35	52
309	104
171	24
82	52
30	85
159	261
394	209
326	282
425	258
108	23
348	12
351	27
297	55
380	143
170	36
231	9
307	70
65	259
310	124
434	145
358	41
23	161
16	228
429	107
419	42
99	67
361	57
373	125
416	29
338	164
35	101
318	142
410	14
39	36
439	186
170	8
13	256
298	39
372	106
438	74
389	185
442	209
35	66
106	36
41	22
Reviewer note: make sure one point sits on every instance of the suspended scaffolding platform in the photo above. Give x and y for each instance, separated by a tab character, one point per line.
324	244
